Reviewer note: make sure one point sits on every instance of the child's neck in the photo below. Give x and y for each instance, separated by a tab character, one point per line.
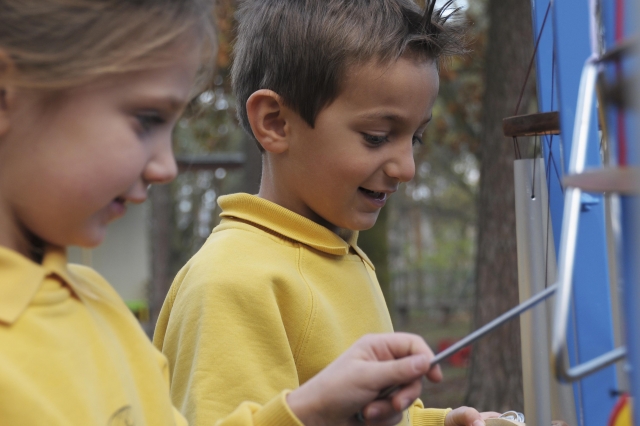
16	237
271	193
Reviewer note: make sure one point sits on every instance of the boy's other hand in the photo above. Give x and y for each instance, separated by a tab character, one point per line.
467	416
353	381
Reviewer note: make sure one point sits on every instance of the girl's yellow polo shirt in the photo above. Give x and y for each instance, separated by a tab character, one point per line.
71	353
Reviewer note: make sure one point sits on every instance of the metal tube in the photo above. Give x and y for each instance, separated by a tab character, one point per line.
510	314
460	344
544	398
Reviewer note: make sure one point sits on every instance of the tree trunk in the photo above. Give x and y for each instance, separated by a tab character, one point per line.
160	237
495	378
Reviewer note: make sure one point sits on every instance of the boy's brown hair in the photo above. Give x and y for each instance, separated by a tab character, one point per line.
301	49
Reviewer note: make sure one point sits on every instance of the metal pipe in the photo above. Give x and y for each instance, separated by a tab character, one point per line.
510	314
460	344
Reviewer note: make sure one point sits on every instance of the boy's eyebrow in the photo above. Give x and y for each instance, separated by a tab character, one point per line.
389	116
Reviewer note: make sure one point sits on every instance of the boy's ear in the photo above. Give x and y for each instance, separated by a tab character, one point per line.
265	111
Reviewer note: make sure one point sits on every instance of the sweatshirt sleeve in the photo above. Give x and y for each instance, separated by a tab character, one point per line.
421	416
274	413
227	344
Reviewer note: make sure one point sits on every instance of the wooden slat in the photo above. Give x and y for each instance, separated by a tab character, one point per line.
624	180
624	48
544	123
232	160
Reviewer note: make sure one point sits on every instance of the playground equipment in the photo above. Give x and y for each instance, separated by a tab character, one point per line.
581	351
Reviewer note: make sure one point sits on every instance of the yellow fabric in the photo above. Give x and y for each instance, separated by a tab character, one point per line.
72	353
269	300
623	415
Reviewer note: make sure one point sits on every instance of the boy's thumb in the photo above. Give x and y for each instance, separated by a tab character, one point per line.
403	370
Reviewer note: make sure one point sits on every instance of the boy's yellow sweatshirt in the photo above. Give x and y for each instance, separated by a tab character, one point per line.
71	353
269	300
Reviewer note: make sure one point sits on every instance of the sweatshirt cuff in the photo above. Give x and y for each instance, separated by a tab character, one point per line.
428	416
276	412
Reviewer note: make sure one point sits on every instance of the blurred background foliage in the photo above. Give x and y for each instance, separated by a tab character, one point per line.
424	243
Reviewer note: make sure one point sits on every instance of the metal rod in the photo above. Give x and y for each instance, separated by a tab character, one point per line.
586	368
510	314
460	344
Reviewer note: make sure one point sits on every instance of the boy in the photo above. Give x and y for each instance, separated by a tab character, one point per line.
335	93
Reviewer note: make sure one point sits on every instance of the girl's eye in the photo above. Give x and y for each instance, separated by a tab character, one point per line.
417	140
150	120
374	139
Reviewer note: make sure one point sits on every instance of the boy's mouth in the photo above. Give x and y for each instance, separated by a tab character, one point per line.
379	196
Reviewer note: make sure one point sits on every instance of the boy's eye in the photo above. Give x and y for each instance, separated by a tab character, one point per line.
375	140
417	140
149	120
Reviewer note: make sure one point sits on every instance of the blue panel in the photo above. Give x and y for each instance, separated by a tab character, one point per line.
631	225
564	51
591	297
548	101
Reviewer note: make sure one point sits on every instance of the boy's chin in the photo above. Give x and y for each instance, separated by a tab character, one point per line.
363	222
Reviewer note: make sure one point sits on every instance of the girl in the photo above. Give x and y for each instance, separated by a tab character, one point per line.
89	93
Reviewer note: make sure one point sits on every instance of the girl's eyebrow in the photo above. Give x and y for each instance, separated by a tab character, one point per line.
170	103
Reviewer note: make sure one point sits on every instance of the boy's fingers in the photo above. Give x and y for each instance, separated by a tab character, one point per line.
404	370
435	374
466	416
489	415
381	412
403	398
399	345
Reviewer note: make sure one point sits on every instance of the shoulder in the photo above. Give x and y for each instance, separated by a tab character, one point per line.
241	262
241	253
93	283
98	295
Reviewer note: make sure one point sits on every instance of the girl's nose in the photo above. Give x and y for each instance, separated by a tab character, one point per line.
162	167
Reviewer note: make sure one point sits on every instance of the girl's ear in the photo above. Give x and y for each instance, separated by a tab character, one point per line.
265	110
6	102
7	93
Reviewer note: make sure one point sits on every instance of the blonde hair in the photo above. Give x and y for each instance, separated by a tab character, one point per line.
59	44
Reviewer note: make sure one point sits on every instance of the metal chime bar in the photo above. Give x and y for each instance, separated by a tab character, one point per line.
568	243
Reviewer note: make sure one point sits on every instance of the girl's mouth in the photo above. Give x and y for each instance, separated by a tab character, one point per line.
117	208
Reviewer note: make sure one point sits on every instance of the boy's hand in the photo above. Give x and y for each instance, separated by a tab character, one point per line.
355	379
467	416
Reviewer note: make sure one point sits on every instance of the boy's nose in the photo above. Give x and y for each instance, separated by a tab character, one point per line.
402	166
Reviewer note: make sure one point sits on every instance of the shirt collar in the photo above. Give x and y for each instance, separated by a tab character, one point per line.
251	208
21	279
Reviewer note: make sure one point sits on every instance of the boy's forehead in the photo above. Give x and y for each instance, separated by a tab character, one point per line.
384	91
